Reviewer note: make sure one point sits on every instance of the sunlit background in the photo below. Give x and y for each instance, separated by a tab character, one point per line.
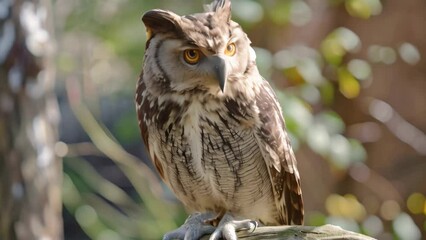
351	78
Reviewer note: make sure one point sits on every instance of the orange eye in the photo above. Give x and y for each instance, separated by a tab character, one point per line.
192	56
231	49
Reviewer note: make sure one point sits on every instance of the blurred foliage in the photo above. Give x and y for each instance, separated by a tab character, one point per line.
101	46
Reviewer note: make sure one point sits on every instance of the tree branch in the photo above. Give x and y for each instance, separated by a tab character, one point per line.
329	232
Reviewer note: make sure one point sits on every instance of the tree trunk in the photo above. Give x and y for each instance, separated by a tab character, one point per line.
30	172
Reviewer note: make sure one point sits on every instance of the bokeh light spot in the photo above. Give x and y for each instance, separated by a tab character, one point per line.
360	172
372	225
337	43
360	69
300	13
310	93
346	206
248	11
390	210
409	53
405	227
348	85
358	153
381	54
345	223
416	203
318	138
358	8
381	110
340	151
316	219
349	40
363	8
332	121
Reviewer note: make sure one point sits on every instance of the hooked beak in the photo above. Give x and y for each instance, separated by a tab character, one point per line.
219	70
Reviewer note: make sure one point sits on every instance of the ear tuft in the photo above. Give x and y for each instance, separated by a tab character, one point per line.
158	20
222	8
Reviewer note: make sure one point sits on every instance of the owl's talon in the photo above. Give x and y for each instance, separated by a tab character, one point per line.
254	225
228	227
193	228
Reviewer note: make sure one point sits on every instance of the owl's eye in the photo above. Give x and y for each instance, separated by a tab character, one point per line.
192	56
230	49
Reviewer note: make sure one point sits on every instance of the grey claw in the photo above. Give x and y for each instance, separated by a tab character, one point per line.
176	234
228	227
228	232
193	228
255	224
197	233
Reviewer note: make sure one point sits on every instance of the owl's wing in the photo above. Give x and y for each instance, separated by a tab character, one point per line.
278	154
145	110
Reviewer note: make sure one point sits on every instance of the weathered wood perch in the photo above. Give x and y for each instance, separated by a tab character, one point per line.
329	232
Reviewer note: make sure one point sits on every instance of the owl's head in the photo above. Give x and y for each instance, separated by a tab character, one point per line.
204	51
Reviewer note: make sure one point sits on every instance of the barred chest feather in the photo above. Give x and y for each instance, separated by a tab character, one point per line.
205	150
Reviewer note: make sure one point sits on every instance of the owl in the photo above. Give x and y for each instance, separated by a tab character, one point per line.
213	127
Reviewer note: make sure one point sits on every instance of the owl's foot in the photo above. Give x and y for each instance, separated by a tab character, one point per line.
194	227
228	227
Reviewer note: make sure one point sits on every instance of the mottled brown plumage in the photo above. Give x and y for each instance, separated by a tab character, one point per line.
214	129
